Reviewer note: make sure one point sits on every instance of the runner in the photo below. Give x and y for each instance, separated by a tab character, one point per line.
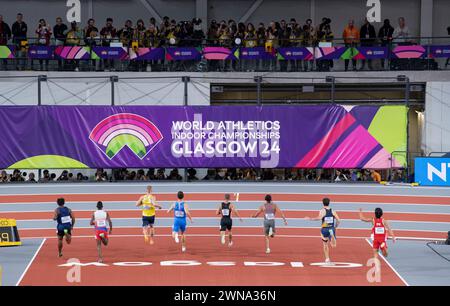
270	210
99	219
379	233
330	221
226	209
65	223
179	225
148	203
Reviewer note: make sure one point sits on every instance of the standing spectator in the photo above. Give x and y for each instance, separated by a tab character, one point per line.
250	41
368	39
73	38
324	34
107	34
385	35
19	32
401	33
139	37
126	34
91	37
309	38
295	36
5	35
351	39
44	32
59	31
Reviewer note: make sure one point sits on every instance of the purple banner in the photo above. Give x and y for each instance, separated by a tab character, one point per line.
198	136
147	54
295	53
117	53
183	54
372	53
41	52
255	53
439	51
71	53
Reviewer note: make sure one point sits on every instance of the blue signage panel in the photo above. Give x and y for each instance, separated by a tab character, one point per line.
430	171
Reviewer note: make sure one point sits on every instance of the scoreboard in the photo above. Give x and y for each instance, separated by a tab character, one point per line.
9	235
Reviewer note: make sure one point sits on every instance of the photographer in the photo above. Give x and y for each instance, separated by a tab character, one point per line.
44	32
324	34
197	35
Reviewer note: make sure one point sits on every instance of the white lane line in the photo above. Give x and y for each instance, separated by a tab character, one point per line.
237	197
389	264
31	261
236	226
243	235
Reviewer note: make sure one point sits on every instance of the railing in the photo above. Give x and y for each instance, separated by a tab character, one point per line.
226	55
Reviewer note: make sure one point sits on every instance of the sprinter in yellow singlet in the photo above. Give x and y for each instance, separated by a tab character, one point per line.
148	204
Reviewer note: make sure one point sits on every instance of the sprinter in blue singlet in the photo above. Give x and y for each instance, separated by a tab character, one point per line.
181	211
65	222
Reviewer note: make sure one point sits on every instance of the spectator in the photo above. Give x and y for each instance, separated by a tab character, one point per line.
91	37
192	175
340	177
174	175
368	39
140	176
160	174
197	32
212	33
4	177
80	177
295	36
52	177
5	35
44	32
351	39
64	176
375	176
16	176
108	33
324	34
385	35
71	177
19	32
31	178
250	41
59	31
309	39
126	34
73	38
401	33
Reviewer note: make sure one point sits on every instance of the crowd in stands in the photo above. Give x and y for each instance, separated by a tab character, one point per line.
150	33
230	174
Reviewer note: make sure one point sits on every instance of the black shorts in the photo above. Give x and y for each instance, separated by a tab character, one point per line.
148	221
226	224
60	230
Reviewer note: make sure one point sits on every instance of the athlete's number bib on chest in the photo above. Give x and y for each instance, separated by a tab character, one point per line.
379	230
66	219
101	223
225	212
270	216
179	214
329	220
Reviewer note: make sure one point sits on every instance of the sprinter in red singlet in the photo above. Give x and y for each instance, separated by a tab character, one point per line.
380	231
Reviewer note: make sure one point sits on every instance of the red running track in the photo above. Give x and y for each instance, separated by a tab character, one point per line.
45	269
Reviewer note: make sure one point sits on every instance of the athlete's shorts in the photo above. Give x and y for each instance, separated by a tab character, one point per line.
327	232
99	231
226	224
179	225
267	225
61	227
379	244
148	221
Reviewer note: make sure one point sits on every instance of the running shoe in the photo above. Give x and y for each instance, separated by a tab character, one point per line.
176	238
267	251
222	239
230	243
183	249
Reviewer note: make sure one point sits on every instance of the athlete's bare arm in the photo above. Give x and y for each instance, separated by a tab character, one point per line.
319	217
156	204
110	222
338	220
139	202
362	218
73	217
260	210
55	216
219	209
235	212
188	214
390	231
281	213
171	208
92	220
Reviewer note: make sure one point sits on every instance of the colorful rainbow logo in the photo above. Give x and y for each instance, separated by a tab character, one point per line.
115	132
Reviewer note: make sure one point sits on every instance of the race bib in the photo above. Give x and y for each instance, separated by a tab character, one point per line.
146	207
379	230
270	216
66	219
101	223
225	212
329	220
179	214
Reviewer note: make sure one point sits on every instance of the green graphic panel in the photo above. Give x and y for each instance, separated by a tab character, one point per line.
48	161
388	127
120	141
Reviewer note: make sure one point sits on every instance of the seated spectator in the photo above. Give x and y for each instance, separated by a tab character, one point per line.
52	177
375	176
174	175
160	174
140	176
64	176
151	174
80	177
192	175
4	177
340	177
31	178
16	176
401	33
71	177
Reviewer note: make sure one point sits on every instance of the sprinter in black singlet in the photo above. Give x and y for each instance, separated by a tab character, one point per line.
226	210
